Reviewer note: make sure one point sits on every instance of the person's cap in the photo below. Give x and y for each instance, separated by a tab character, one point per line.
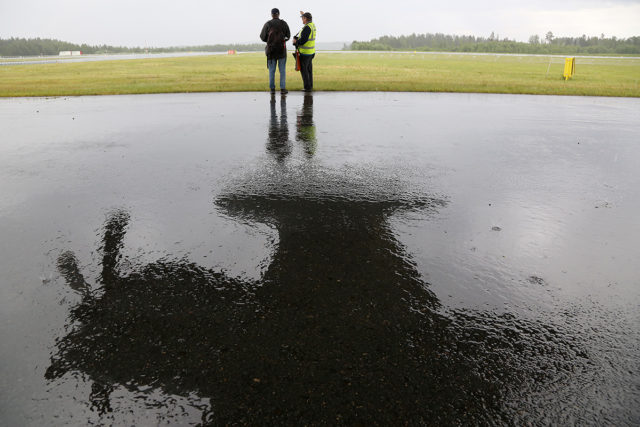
306	15
275	11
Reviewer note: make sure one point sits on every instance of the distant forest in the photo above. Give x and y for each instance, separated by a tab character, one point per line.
492	44
419	42
38	46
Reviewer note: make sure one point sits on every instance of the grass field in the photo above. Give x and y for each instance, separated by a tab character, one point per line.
353	71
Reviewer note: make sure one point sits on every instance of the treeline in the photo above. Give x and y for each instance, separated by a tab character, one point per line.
492	44
46	47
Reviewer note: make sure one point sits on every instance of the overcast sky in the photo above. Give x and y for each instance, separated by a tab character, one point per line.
160	23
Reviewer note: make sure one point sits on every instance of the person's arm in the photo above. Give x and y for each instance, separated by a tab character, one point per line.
287	32
304	36
264	32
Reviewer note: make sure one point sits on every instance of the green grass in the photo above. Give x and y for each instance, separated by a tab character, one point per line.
332	72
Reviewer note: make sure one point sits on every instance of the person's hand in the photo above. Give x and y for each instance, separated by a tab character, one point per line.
301	13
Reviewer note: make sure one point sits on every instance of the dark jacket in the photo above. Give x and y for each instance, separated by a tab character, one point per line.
285	29
304	36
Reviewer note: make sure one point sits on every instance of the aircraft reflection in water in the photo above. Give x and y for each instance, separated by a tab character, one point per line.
340	328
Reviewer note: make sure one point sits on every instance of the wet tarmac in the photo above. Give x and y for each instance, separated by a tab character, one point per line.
336	258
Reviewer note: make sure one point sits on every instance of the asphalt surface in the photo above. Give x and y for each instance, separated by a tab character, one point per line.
335	258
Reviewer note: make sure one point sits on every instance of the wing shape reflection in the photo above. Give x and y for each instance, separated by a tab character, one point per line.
341	328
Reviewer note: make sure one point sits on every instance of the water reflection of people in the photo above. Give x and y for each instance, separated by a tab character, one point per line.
278	144
305	127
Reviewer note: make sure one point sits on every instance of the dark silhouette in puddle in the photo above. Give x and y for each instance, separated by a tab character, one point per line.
278	145
340	328
305	127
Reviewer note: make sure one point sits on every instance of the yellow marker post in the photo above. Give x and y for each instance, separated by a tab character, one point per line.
569	68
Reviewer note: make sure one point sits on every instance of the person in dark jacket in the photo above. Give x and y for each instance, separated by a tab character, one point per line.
276	33
305	41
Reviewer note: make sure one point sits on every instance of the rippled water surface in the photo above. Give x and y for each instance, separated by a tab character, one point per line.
360	258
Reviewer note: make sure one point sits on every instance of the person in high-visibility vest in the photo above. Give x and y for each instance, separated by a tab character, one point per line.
305	41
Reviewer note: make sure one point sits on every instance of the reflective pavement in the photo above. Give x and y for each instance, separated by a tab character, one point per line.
335	258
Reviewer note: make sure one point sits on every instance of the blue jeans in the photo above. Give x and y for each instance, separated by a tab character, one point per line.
282	68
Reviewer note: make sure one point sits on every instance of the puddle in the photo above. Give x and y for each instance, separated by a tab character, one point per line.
331	258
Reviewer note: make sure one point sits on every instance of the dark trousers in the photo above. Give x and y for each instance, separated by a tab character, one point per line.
306	70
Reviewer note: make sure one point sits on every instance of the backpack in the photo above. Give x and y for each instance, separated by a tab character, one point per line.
275	42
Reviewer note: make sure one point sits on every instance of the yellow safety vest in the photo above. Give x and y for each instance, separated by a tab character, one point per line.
309	48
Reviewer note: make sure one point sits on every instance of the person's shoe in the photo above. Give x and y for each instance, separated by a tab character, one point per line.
273	91
284	91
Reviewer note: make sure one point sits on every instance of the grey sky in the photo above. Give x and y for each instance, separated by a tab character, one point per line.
196	22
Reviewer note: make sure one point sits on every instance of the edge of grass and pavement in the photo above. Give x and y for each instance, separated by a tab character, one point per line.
333	71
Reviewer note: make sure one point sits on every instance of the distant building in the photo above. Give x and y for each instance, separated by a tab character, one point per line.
70	53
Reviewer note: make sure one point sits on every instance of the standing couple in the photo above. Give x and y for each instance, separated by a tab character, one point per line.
276	33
